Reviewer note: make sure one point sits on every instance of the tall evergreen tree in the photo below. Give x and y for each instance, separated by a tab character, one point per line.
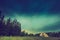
16	28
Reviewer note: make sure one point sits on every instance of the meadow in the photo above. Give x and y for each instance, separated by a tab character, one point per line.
27	38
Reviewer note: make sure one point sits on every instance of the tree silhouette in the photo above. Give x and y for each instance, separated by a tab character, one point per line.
10	28
15	28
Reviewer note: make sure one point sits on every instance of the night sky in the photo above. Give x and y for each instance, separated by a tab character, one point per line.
34	15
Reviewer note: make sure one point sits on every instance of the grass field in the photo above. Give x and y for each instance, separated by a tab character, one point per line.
28	38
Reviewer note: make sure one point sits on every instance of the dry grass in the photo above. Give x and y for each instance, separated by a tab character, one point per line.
27	38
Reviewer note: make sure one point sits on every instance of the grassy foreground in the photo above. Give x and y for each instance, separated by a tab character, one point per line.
27	38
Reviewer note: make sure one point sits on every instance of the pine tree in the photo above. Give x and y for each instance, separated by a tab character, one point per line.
16	28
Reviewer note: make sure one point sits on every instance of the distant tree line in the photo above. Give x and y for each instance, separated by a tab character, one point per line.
54	34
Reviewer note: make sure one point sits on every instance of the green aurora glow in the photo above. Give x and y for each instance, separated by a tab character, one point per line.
36	23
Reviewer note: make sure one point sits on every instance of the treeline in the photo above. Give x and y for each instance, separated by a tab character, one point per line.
54	34
8	28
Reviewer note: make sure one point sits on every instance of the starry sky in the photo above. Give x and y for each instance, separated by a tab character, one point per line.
34	15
